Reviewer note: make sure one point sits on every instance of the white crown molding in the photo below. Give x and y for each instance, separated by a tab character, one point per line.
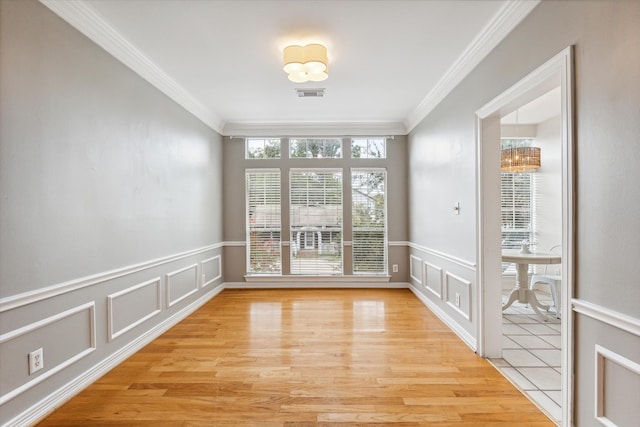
88	22
371	128
505	20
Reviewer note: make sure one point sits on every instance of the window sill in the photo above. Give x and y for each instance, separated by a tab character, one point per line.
318	279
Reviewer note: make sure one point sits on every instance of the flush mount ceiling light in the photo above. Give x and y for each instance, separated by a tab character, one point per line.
306	63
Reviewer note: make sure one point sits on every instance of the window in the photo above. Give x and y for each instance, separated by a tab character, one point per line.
369	148
263	222
316	221
262	148
316	148
369	221
518	206
517	209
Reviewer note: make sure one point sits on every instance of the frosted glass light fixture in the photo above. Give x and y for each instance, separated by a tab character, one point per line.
306	63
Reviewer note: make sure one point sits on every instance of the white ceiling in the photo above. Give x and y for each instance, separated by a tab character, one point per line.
537	111
391	62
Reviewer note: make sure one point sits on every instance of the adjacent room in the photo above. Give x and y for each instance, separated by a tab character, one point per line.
279	212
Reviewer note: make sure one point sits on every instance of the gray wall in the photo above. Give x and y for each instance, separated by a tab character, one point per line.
105	183
235	202
606	35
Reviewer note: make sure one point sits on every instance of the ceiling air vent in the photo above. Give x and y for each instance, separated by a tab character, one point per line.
310	93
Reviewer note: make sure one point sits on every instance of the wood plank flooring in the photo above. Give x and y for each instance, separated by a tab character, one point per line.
346	357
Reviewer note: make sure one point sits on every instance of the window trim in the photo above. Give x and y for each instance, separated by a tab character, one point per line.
383	170
248	271
263	138
342	240
384	139
336	138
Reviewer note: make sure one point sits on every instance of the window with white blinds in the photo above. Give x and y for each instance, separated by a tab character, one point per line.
518	210
316	221
264	255
369	221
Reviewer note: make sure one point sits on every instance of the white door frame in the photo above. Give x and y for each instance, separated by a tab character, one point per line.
557	71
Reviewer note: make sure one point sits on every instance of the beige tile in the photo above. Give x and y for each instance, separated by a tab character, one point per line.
518	358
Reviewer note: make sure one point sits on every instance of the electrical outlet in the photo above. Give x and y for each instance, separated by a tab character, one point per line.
394	267
457	300
36	361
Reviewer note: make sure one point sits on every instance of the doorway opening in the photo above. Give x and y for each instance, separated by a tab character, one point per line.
552	78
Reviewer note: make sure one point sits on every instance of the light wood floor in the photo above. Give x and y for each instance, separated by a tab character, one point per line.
304	358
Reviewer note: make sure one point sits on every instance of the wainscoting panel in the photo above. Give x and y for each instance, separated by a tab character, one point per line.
458	295
89	324
130	307
446	284
76	325
211	269
433	279
181	283
613	373
415	269
607	353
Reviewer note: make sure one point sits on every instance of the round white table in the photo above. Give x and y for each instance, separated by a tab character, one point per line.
521	292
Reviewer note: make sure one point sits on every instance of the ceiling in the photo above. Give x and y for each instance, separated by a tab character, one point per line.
537	111
391	62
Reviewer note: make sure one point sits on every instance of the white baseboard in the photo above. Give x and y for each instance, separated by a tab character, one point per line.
47	405
465	336
313	285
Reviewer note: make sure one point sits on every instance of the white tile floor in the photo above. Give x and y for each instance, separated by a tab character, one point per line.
531	354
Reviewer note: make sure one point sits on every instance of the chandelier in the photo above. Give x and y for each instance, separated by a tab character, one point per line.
519	159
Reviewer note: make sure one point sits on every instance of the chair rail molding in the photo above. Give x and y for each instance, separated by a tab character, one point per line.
606	315
451	258
19	300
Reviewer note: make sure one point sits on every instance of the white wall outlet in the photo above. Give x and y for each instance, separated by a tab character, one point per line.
394	268
36	361
457	300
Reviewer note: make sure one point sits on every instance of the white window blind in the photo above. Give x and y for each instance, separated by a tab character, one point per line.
369	221
264	255
369	148
316	221
518	209
315	148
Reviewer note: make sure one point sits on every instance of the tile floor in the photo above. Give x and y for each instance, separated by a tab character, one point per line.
531	354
